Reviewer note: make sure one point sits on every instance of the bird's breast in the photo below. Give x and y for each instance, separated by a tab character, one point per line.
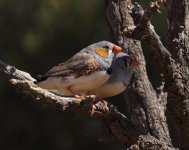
109	89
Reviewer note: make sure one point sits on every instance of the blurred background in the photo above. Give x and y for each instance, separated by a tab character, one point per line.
36	35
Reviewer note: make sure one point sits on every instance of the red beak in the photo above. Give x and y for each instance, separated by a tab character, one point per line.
117	49
134	63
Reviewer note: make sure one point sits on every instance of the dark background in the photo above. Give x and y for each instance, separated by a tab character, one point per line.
36	35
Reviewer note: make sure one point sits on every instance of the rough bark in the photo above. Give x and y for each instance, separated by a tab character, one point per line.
178	77
144	109
116	122
121	127
146	125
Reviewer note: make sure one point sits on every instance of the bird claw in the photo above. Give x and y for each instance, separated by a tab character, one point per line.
88	104
106	105
79	97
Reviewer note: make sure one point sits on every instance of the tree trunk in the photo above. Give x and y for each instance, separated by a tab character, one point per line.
154	120
146	108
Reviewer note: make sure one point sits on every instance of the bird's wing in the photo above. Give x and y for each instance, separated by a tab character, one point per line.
80	64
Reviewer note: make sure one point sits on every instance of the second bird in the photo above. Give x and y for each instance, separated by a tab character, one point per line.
121	72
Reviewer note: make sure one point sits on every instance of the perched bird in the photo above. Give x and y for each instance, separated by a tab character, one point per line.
121	71
85	71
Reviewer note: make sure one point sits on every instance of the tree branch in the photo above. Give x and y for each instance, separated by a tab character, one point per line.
119	125
144	110
144	31
175	56
116	122
178	40
178	86
11	72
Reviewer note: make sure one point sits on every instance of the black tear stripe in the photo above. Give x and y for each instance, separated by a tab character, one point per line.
40	78
109	71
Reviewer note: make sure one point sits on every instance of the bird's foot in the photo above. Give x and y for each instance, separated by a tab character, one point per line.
79	97
105	105
88	104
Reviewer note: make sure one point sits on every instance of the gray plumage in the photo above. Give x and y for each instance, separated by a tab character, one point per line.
82	73
121	73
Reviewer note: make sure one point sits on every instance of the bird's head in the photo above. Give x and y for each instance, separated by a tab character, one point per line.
123	65
124	61
106	49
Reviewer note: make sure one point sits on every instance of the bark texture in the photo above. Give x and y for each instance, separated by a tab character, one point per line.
178	76
150	114
116	122
130	24
144	108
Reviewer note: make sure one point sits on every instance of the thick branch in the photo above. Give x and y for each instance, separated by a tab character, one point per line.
118	124
172	62
178	40
178	45
11	72
144	110
146	142
144	31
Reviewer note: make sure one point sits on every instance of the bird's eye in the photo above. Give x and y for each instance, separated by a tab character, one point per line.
107	47
127	62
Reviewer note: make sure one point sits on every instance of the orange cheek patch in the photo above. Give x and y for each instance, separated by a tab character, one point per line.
135	63
103	52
